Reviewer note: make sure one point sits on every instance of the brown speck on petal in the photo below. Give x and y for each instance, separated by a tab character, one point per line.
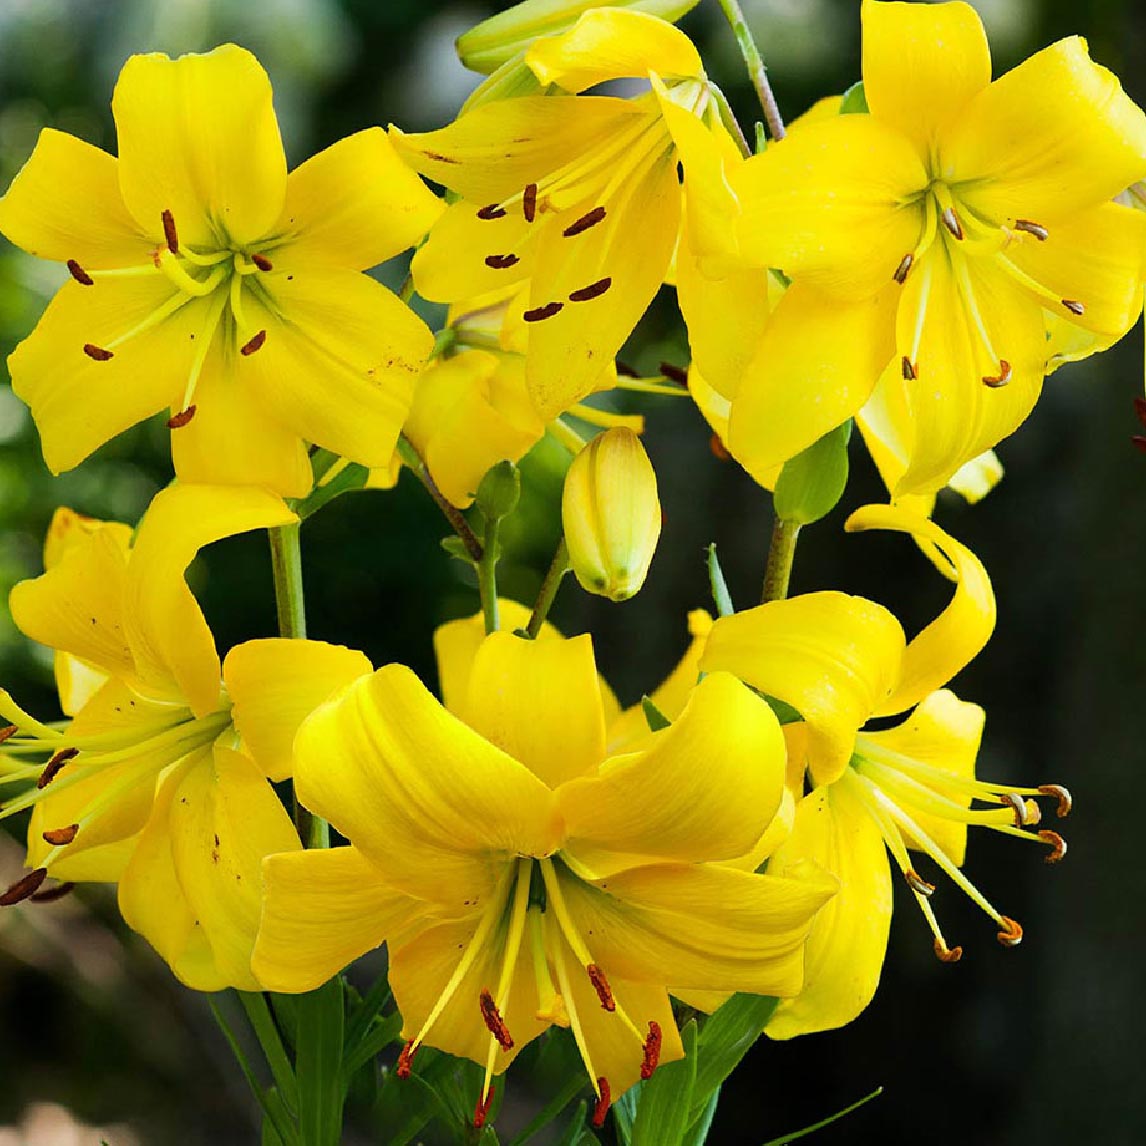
24	887
178	421
542	312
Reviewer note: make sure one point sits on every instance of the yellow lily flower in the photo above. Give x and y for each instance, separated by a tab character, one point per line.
841	661
160	780
521	876
574	197
945	233
208	280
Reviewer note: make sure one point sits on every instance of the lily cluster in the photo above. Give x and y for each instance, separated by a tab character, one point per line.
915	256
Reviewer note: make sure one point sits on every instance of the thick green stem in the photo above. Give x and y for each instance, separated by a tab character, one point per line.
548	591
755	64
781	554
487	576
286	564
453	515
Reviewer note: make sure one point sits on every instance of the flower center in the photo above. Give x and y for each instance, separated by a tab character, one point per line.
221	276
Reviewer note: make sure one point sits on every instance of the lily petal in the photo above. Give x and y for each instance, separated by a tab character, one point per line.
321	911
833	657
959	632
198	137
276	684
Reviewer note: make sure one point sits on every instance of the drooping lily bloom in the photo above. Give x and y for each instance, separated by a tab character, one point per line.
520	876
840	661
160	779
575	197
944	233
207	280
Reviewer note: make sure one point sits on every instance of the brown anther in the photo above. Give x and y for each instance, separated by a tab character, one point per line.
491	1016
57	837
541	312
1017	805
53	766
501	262
97	353
1065	803
491	211
1011	934
1056	844
918	884
6	731
951	222
901	271
947	954
262	262
1140	409
601	1107
591	219
178	421
256	342
51	894
529	202
1032	228
406	1060
24	887
652	1050
674	373
481	1111
601	986
79	274
718	449
624	370
1074	306
169	233
995	381
908	369
593	290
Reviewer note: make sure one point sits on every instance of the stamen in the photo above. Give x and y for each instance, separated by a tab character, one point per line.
53	893
492	211
901	271
674	373
53	766
406	1059
718	449
1011	934
652	1050
918	884
529	202
1074	306
482	1108
97	353
8	730
178	421
79	274
1065	803
1000	379
951	222
591	219
908	369
593	290
542	312
604	1100
255	343
501	262
491	1016
262	262
169	232
1017	805
1056	843
58	837
947	954
24	887
1032	228
601	986
188	284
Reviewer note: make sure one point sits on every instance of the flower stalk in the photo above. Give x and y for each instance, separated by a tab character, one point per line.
781	554
755	64
546	595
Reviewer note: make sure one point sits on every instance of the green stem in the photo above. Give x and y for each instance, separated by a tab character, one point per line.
452	514
286	565
781	554
406	290
755	64
267	1033
487	576
548	591
731	124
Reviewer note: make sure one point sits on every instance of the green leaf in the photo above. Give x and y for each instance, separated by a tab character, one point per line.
380	1035
552	1109
725	1040
318	1064
720	595
406	1106
365	1009
571	1136
826	1121
761	137
351	477
267	1033
812	482
698	1130
855	100
663	1110
654	718
456	547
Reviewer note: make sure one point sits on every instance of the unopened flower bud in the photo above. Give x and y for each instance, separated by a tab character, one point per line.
611	514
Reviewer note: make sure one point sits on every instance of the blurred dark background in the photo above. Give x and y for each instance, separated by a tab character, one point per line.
1007	1047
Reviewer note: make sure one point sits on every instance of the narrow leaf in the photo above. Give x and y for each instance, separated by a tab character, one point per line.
725	1040
855	100
826	1121
318	1064
654	718
720	595
663	1111
552	1110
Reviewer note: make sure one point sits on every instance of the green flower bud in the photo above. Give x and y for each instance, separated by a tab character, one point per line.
498	493
611	515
